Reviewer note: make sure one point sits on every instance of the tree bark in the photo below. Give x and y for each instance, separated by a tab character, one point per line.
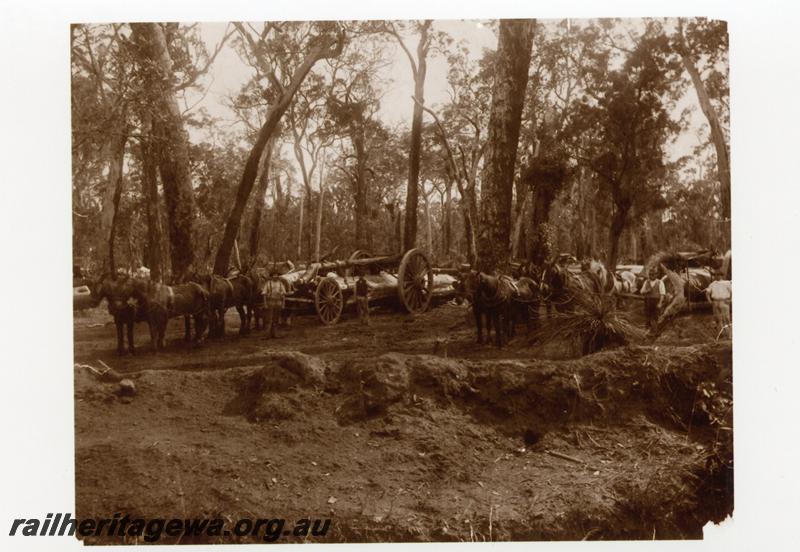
418	69
447	230
428	226
173	145
300	228
115	153
274	113
153	258
318	232
362	212
511	77
618	222
260	203
519	218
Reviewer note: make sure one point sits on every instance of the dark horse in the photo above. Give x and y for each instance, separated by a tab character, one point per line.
122	294
524	304
224	293
491	298
163	302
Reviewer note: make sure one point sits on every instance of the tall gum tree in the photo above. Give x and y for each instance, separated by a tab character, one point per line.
172	152
419	68
515	43
324	41
709	36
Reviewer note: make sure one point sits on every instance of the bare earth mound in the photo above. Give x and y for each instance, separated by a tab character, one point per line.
630	443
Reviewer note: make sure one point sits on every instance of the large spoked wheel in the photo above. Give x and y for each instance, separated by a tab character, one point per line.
415	281
355	256
329	301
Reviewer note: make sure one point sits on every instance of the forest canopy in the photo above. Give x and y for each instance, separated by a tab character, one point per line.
202	147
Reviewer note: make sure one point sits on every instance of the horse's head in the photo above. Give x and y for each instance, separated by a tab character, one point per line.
203	280
554	277
467	285
117	289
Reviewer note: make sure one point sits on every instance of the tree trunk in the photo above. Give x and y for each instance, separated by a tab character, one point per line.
519	218
173	145
273	117
428	226
115	153
260	203
361	213
300	229
511	77
618	223
318	233
717	136
153	257
412	191
447	225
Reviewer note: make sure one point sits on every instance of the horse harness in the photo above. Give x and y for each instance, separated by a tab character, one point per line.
497	298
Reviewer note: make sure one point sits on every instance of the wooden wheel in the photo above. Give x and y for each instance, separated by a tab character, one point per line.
329	301
358	254
354	256
415	281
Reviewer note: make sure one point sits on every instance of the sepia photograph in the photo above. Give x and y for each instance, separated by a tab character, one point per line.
401	280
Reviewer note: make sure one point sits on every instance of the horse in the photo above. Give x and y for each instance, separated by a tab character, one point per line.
259	277
224	293
163	302
555	289
624	284
491	298
121	292
559	284
524	304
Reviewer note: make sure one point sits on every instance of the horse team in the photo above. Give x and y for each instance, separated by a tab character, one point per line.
501	302
202	301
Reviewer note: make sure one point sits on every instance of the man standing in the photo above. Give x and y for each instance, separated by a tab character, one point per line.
362	299
274	296
654	293
720	293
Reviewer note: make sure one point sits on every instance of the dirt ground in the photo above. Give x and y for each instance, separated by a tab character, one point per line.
408	430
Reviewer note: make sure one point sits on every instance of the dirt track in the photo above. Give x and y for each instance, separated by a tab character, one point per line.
376	429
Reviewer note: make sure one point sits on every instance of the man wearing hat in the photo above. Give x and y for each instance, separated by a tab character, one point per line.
274	296
720	293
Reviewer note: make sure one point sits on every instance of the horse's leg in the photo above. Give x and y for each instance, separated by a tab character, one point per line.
152	325
219	322
200	323
498	327
242	319
187	325
478	321
250	313
215	320
162	330
120	339
130	335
